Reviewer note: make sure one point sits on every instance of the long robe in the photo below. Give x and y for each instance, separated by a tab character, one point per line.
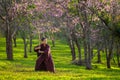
44	61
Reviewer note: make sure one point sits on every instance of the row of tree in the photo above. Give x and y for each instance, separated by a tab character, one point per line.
93	25
86	24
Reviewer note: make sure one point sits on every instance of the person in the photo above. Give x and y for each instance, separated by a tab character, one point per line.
44	61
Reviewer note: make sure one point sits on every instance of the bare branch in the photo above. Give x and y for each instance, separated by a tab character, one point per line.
2	17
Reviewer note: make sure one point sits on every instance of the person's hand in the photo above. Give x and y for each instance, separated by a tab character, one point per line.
41	51
37	48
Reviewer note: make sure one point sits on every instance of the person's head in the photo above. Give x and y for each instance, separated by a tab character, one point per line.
44	40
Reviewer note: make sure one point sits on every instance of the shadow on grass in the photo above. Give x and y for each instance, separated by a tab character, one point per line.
109	71
24	71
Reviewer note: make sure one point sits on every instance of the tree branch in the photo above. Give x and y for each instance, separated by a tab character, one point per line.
105	23
2	17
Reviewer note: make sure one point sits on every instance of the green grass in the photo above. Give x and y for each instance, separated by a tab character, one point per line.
23	68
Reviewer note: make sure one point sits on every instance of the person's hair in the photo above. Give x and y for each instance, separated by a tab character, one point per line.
43	38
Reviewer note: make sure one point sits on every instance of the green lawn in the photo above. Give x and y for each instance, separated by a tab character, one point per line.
23	69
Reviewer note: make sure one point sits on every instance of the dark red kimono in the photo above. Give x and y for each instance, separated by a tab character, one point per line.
44	61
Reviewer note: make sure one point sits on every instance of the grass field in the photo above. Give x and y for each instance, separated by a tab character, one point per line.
23	68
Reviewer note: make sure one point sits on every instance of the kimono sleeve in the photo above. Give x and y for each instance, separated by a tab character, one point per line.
36	50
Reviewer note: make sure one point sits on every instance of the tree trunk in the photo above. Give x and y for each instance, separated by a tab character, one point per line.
92	53
87	41
53	39
25	48
89	66
73	51
106	51
85	50
79	50
109	55
30	43
53	42
14	40
9	49
99	56
85	54
118	59
108	62
118	54
72	47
